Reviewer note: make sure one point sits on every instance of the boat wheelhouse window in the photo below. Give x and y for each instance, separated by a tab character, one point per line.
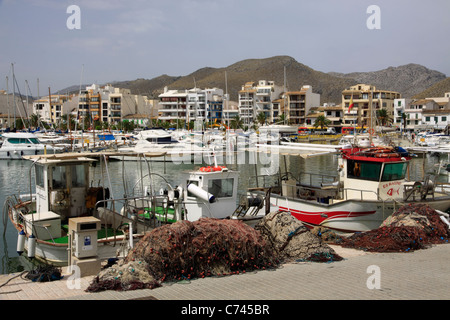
394	171
34	140
221	188
78	176
364	170
39	171
59	177
18	140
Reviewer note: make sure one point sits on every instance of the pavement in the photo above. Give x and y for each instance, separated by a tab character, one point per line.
418	275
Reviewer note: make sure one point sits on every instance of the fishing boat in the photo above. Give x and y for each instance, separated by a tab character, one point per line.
371	184
16	145
64	190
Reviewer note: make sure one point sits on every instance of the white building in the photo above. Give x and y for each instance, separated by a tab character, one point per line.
400	106
190	105
257	98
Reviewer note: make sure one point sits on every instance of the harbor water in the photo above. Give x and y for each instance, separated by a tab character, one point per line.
15	179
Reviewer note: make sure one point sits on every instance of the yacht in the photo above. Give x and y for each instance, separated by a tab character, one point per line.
18	144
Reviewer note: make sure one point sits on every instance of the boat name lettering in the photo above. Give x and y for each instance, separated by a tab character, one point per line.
394	183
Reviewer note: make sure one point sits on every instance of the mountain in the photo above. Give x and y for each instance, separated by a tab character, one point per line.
239	73
409	79
436	90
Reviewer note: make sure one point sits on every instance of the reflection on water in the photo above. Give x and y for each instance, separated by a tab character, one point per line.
15	176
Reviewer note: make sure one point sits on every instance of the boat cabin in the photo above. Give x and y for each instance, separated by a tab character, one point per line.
62	186
373	173
215	187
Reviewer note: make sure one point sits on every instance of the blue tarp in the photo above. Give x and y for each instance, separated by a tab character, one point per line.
106	137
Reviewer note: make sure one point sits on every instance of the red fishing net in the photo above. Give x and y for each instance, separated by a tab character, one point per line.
412	227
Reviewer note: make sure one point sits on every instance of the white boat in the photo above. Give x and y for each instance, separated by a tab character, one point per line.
16	145
360	140
370	186
63	192
158	140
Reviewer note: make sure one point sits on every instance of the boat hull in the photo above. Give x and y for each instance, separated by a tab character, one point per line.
347	215
18	154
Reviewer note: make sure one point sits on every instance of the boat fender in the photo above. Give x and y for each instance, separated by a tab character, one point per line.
31	246
20	242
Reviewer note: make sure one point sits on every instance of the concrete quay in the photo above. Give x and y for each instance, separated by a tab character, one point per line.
418	275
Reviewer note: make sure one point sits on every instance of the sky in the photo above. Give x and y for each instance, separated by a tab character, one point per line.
121	40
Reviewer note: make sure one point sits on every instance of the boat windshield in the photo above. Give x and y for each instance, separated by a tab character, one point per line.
394	171
35	140
372	170
364	170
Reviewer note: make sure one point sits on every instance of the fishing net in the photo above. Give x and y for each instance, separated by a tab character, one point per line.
124	276
412	227
290	240
44	273
187	250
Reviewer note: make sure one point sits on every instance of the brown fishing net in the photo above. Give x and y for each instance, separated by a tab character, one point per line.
187	250
412	227
211	247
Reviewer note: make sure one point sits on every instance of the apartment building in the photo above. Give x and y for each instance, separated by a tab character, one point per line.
299	104
366	98
191	105
50	109
400	106
110	104
256	98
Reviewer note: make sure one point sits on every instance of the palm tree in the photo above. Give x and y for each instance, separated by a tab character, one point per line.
321	122
383	117
261	118
34	120
237	123
281	118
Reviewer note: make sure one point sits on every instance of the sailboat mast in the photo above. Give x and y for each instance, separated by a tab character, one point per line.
371	130
7	101
14	95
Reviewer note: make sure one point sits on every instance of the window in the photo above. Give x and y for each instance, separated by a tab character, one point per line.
363	170
427	119
78	177
39	170
444	119
18	140
394	171
221	188
59	178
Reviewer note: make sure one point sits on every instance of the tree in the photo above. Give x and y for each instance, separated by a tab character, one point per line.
237	123
261	118
281	118
321	122
34	120
383	117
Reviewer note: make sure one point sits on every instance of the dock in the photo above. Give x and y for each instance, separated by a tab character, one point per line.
418	275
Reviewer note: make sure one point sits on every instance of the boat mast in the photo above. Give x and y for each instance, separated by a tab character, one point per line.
14	95
7	101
